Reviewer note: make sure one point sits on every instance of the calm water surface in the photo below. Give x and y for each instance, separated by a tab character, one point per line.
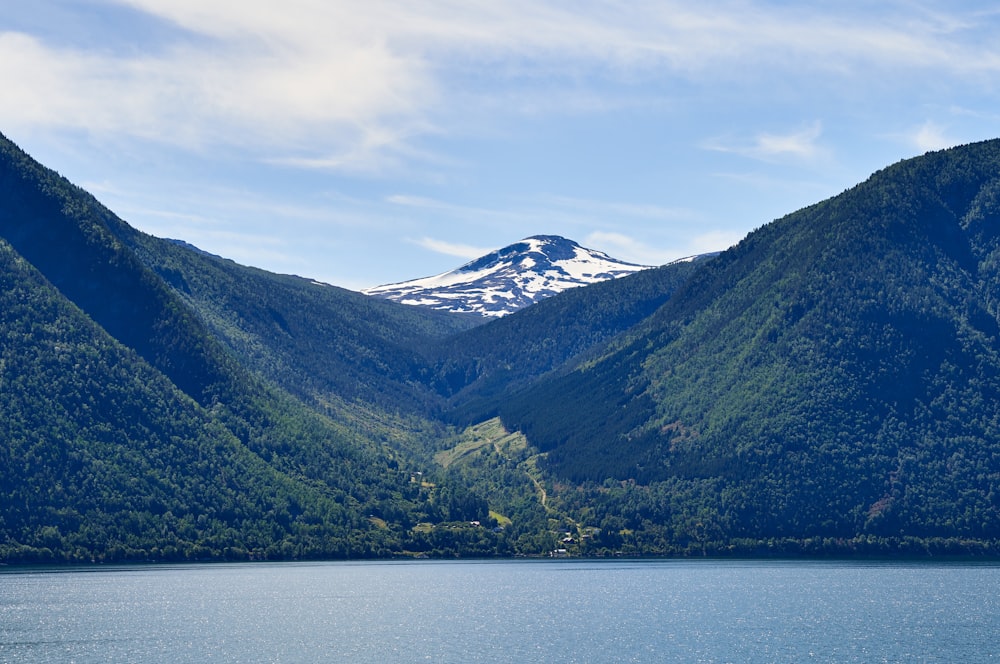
554	611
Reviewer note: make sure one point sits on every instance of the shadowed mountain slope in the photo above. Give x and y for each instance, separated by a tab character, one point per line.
335	348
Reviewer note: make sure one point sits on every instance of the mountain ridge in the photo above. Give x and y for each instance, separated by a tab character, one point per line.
511	278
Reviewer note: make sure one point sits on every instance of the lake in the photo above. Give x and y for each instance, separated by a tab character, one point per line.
507	611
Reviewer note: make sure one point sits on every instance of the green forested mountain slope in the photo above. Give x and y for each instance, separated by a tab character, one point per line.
321	342
307	484
104	458
835	375
75	243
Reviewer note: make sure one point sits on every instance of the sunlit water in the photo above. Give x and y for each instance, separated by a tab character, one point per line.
554	611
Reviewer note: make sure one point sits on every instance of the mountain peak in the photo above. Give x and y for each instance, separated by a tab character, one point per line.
510	278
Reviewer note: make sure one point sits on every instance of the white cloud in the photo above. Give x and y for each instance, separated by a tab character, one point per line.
623	247
628	248
465	251
586	221
930	136
353	85
608	209
719	240
416	201
249	85
499	218
801	144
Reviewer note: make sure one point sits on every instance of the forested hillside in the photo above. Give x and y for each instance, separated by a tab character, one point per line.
105	458
322	342
835	376
144	422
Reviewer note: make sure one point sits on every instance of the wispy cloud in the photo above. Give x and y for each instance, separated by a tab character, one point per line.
616	244
703	243
612	209
930	136
624	247
247	85
464	251
353	86
682	245
416	201
800	144
551	210
584	220
510	218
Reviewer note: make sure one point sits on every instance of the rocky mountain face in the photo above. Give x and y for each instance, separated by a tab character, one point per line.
511	278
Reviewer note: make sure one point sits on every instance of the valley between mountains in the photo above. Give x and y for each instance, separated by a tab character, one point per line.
827	387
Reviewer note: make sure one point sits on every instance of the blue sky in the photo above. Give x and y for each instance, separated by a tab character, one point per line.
366	142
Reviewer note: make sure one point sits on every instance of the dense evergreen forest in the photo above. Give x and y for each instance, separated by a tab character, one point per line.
829	386
832	379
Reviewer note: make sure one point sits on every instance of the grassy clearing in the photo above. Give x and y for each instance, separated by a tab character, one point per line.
501	520
475	438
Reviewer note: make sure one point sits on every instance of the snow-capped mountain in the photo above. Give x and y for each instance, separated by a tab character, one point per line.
511	278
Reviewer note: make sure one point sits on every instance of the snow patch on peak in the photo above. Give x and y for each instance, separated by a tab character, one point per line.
510	278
